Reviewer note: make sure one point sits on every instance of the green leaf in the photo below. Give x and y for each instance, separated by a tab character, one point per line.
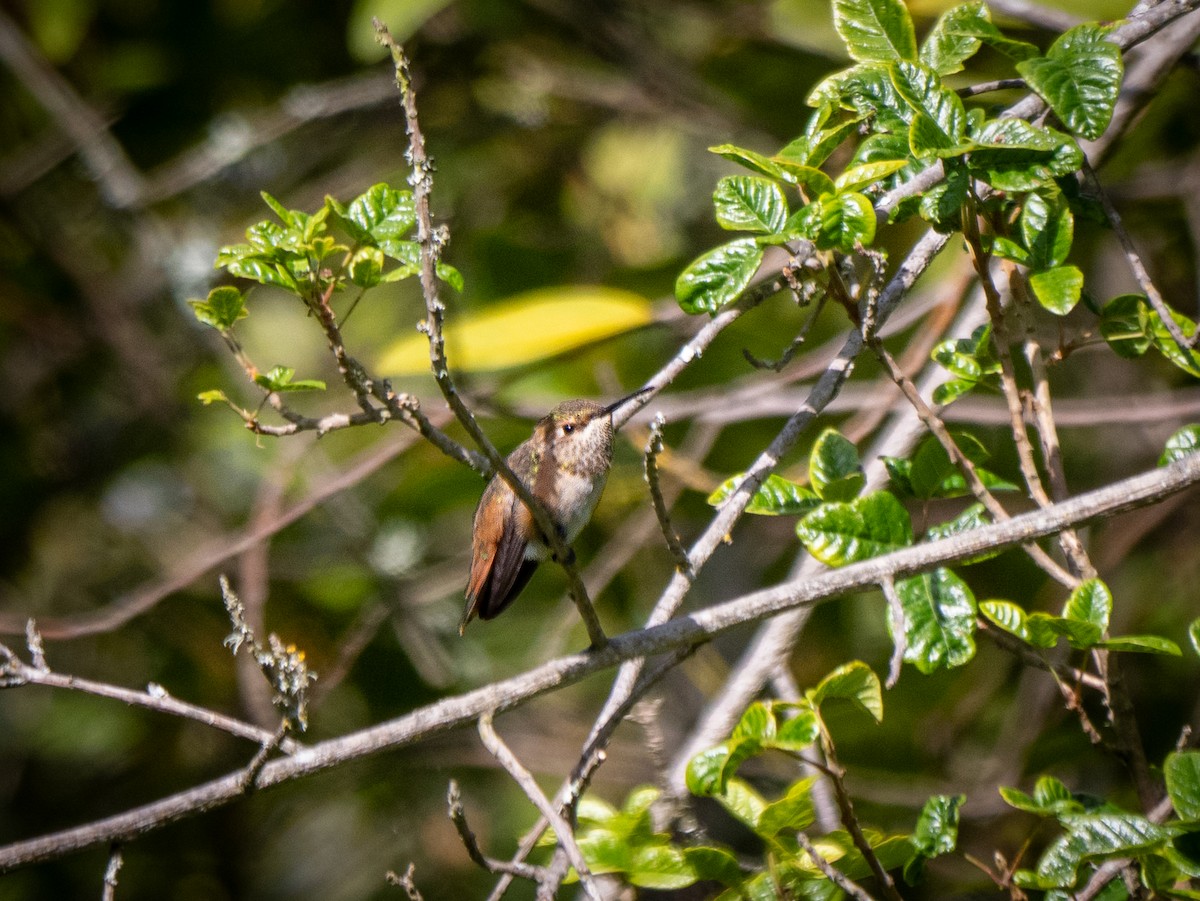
855	682
974	517
659	866
799	731
864	176
1080	634
837	534
715	864
791	813
939	620
751	159
1141	644
932	474
748	203
866	89
834	470
955	37
718	277
366	267
1050	798
936	833
1181	444
1047	229
1090	602
1013	155
812	181
1058	289
223	307
776	496
1080	77
875	30
1194	635
1182	772
940	121
1096	837
1123	325
742	801
757	722
449	275
279	379
213	396
838	221
942	204
1012	619
382	213
709	772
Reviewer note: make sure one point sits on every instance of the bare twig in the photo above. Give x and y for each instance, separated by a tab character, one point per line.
837	775
407	882
15	672
980	491
1137	266
563	833
458	816
899	639
115	862
654	447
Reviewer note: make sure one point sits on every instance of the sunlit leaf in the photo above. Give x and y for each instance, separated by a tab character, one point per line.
524	329
1181	444
1080	77
748	203
834	470
718	277
875	29
939	620
837	533
855	682
776	496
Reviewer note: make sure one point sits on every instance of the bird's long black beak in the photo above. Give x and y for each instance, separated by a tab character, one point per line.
616	405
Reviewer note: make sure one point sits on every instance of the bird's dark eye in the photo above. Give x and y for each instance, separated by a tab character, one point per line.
568	429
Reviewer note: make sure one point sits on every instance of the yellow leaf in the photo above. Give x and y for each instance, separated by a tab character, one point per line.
525	328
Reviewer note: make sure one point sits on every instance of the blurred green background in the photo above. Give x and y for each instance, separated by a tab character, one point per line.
570	141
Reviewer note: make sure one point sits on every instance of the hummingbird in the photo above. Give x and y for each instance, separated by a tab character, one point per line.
565	464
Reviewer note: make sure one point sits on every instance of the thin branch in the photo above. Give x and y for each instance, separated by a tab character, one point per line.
654	447
593	755
431	242
899	639
563	832
1136	265
700	626
407	882
837	775
13	671
986	87
980	491
458	816
115	862
832	873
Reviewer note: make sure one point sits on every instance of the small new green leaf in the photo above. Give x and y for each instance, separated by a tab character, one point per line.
1123	323
867	89
212	396
834	470
939	620
709	772
936	833
718	277
855	682
1194	635
749	203
757	722
1050	798
742	801
837	534
1181	444
1058	289
222	308
812	181
279	379
383	212
1080	77
799	731
791	813
875	30
776	496
449	275
1182	771
1091	602
838	221
366	267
